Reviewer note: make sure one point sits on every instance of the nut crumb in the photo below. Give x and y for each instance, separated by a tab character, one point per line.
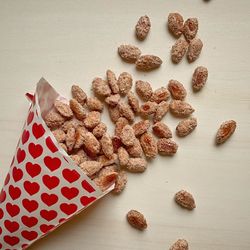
180	244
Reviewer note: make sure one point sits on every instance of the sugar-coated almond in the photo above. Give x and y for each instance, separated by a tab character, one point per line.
135	150
148	62
175	24
159	95
180	108
133	102
199	78
78	94
121	182
226	129
99	130
143	90
100	87
112	81
136	165
113	100
180	244
177	90
53	119
63	108
141	127
94	104
120	124
126	111
149	145
185	199
186	126
142	27
148	108
178	50
136	220
162	130
127	135
161	110
129	53
194	49
77	109
90	167
123	156
59	135
190	28
167	146
107	146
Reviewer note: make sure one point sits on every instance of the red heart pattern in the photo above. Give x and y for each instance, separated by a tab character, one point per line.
42	189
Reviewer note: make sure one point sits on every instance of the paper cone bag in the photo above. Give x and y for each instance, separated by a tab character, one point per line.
44	188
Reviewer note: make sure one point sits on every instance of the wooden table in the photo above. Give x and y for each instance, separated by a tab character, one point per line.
74	41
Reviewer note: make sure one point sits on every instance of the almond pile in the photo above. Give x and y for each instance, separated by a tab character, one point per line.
105	157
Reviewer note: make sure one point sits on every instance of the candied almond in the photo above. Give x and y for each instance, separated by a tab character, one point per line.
142	27
160	95
107	161
53	119
148	62
162	130
180	244
82	155
94	104
136	220
107	146
114	113
190	28
90	167
180	108
77	109
92	119
194	49
70	138
112	81
136	165
135	150
121	182
76	159
99	130
148	108
100	87
186	126
133	102
141	127
167	146
199	78
124	82
143	89
127	135
78	94
117	143
113	100
226	129
75	123
120	124
123	156
63	108
59	135
129	53
91	144
106	180
178	50
185	199
175	24
177	90
80	132
126	111
149	145
161	111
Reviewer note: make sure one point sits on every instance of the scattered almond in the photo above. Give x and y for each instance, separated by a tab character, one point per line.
78	109
177	90
226	129
121	182
129	53
100	87
78	94
127	135
148	62
199	78
136	220
144	90
167	146
141	127
180	108
194	49
125	83
179	49
149	145
148	108
190	28
160	95
112	81
185	199
175	24
186	126
162	130
180	244
94	104
142	27
161	110
64	109
133	102
136	165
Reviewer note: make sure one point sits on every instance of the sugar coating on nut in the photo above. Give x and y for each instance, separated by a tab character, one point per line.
112	81
70	138
120	124
91	144
159	95
148	108
121	182
107	146
161	110
90	167
126	111
136	165
78	94
141	127
129	53
180	108
106	180
94	104
53	119
92	119
162	130
194	49
75	123
185	199
113	100
99	130
124	82
123	156
226	129
167	146
185	127
80	133
135	150
107	161
77	109
136	220
149	145
76	159
127	135
133	102
148	62
179	49
180	244
175	24
114	113
59	135
177	90
100	87
142	27
144	90
190	28
63	108
199	78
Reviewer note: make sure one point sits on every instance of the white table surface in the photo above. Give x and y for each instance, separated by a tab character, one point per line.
74	41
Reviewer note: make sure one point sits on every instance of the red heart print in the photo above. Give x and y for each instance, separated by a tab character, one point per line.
11	226
24	246
17	174
30	205
48	214
50	181
33	169
1	213
70	175
29	235
45	228
14	192
87	186
49	199
35	150
25	136
20	155
7	179
11	240
68	208
50	144
85	200
38	130
29	221
69	193
12	209
1	246
31	187
62	220
2	196
52	163
30	118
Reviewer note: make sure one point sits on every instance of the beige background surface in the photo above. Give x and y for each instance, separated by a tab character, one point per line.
72	42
